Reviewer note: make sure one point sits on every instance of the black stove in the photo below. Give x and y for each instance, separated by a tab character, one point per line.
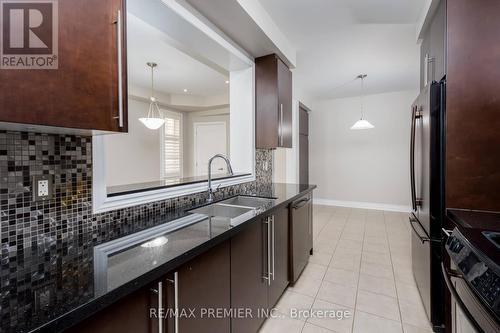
474	250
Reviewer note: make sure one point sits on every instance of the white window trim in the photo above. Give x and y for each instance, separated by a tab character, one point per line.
242	102
162	143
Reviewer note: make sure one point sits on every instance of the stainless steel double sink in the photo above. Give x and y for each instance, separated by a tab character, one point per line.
237	209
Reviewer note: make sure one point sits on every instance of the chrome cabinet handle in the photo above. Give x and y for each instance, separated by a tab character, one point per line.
175	282
268	274
431	65
176	302
160	305
119	43
281	125
274	243
310	221
300	203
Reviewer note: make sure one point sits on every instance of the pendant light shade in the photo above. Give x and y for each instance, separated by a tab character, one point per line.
154	120
362	123
152	123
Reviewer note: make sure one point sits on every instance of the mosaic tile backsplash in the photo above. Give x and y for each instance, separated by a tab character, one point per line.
47	247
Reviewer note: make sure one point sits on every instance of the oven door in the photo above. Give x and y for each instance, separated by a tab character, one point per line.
468	314
460	322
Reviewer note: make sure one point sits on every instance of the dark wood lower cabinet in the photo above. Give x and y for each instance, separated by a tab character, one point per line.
203	286
279	255
248	272
129	315
203	283
259	269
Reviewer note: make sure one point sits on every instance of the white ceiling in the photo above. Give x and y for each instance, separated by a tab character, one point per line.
338	39
176	70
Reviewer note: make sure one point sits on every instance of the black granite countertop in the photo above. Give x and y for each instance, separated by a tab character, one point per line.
475	226
144	265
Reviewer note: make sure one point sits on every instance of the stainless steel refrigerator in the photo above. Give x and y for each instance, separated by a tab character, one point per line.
427	196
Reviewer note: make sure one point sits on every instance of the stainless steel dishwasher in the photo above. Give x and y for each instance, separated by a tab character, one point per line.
301	235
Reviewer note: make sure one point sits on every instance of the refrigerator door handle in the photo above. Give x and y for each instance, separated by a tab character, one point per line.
423	239
412	159
415	114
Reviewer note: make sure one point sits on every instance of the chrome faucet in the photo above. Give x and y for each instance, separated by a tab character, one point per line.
229	170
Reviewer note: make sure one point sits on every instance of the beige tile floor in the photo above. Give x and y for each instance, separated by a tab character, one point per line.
361	264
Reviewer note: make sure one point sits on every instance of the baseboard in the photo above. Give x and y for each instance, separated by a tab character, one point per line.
364	205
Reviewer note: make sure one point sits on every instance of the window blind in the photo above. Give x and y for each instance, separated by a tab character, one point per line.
172	146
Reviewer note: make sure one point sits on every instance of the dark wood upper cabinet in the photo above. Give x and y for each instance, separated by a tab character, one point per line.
473	105
83	92
433	48
273	94
303	120
279	254
303	144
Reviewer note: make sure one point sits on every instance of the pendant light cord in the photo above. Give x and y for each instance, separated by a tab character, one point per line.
152	82
153	105
362	96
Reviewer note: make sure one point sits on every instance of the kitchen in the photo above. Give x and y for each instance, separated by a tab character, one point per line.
215	166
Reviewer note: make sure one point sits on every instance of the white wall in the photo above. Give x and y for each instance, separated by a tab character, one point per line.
367	168
133	157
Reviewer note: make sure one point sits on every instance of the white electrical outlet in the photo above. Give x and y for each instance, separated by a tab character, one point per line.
43	187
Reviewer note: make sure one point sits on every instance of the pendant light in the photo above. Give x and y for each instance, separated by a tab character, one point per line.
151	121
362	123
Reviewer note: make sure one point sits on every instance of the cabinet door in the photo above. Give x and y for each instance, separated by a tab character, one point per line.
433	48
279	254
303	159
285	104
438	43
266	102
129	315
273	96
303	121
473	78
248	271
83	91
202	284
